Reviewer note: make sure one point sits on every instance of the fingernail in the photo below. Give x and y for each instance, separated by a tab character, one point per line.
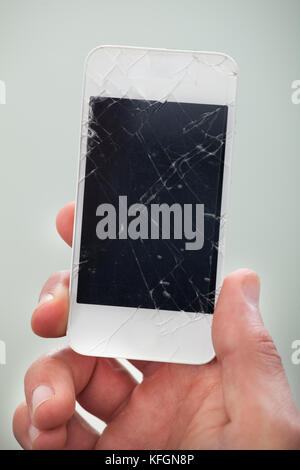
41	394
45	298
33	433
251	288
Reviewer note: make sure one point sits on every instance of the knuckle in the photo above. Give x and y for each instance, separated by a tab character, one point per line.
59	277
36	367
265	347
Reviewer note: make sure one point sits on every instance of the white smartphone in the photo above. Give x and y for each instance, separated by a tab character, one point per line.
151	205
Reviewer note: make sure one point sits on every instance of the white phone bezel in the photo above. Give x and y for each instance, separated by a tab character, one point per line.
136	333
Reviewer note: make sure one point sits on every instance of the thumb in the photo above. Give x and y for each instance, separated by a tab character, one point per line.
252	374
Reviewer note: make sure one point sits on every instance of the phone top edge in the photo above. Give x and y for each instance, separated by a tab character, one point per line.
162	49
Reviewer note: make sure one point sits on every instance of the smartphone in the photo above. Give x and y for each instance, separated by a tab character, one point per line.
151	204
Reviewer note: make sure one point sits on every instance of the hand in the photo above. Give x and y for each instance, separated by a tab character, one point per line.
240	400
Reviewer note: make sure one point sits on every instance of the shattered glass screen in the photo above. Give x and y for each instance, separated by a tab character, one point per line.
143	153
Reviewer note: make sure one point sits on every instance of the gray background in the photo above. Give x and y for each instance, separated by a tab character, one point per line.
42	49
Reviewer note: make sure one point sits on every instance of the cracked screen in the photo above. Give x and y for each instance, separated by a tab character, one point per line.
152	204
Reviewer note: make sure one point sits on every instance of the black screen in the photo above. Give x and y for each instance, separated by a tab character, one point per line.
152	153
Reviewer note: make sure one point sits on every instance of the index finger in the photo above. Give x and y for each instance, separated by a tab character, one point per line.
50	317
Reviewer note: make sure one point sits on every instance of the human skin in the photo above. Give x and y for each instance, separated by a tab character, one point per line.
240	400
